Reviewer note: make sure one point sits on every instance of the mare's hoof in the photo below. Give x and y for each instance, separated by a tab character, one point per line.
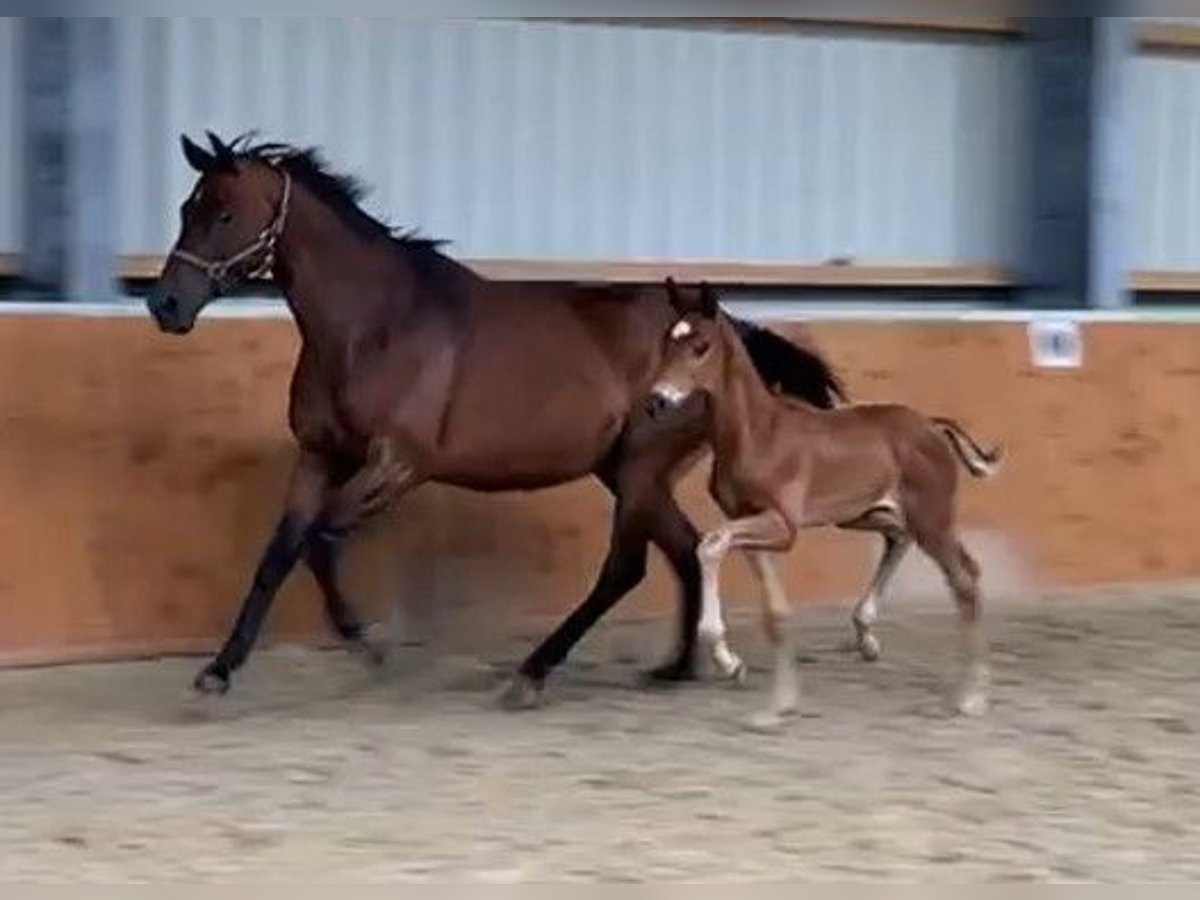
370	647
670	673
521	693
212	680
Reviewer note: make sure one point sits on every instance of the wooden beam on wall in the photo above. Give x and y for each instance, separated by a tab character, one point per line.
1153	37
1166	281
1169	38
981	25
146	268
142	268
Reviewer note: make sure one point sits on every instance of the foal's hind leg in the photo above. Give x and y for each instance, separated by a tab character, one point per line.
897	542
962	574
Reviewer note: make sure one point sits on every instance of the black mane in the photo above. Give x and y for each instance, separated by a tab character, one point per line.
787	367
340	191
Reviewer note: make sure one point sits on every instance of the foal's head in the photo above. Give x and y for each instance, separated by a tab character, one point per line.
228	228
692	355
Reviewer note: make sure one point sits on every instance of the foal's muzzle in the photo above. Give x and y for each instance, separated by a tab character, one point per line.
664	398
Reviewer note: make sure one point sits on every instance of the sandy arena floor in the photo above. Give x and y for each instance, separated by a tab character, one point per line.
1087	768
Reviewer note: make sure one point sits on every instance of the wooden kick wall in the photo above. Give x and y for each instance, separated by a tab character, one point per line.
140	476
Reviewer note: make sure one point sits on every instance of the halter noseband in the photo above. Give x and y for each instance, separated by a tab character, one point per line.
218	270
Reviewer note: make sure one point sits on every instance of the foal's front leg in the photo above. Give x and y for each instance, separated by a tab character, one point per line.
777	615
766	532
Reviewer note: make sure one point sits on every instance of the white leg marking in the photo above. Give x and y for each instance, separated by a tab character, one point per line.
785	691
973	696
712	624
866	613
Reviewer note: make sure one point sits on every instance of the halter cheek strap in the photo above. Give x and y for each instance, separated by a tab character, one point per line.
218	271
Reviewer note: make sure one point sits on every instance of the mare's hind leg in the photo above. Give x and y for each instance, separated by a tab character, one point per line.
887	522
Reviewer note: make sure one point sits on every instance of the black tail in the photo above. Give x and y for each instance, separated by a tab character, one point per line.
789	368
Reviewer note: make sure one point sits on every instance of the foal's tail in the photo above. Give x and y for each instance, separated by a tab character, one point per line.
979	462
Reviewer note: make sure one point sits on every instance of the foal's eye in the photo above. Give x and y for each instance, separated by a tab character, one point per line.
699	348
225	217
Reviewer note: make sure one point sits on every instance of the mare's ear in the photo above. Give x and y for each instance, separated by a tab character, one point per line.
222	153
197	157
708	301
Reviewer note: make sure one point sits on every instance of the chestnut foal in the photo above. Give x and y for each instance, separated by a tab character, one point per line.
781	465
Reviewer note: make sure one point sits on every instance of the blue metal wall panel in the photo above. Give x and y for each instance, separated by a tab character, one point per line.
1166	196
10	144
553	140
567	141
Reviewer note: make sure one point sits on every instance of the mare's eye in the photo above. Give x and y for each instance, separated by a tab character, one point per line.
699	348
225	217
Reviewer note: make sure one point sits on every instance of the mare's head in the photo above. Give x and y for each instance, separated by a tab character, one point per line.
693	354
228	227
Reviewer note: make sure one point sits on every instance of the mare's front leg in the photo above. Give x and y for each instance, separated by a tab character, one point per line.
766	532
305	495
385	475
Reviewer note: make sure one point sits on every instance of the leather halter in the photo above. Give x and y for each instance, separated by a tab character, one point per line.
219	270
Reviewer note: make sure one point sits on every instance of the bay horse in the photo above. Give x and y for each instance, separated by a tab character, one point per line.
781	465
412	369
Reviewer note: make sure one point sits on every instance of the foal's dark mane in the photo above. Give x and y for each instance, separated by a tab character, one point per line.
785	367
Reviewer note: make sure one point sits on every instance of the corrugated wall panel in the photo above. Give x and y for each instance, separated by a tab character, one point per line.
1166	195
553	140
10	143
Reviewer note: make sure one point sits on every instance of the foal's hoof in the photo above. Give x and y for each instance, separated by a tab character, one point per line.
868	648
769	721
738	675
521	693
212	680
973	704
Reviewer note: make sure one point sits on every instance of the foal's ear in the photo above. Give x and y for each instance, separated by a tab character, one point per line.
197	157
708	301
678	301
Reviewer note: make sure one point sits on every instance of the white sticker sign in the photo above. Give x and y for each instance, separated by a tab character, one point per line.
1056	343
